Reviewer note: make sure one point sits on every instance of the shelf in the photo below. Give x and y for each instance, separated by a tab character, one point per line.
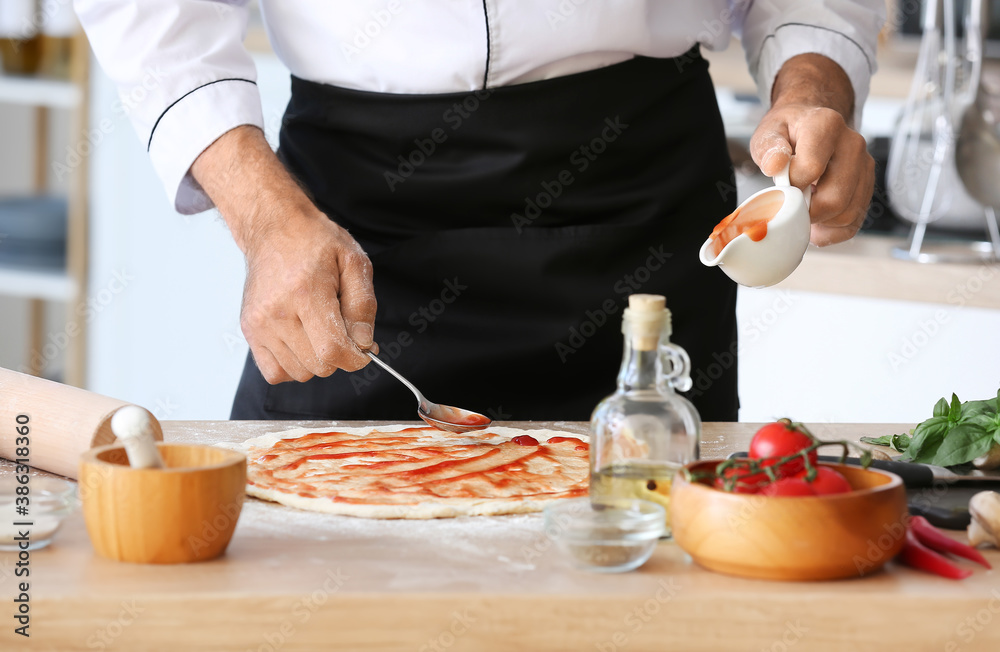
32	91
52	285
864	266
36	282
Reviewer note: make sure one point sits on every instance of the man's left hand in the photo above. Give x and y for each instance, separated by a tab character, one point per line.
809	123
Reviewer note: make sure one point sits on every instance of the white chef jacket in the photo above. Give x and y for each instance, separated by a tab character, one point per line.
198	80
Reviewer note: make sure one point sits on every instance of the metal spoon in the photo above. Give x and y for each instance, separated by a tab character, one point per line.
443	417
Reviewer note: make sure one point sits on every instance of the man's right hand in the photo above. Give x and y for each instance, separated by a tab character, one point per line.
308	303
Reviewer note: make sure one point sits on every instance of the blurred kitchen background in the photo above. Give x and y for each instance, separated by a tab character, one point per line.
103	285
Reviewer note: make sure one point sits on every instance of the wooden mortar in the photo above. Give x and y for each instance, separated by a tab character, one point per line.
182	513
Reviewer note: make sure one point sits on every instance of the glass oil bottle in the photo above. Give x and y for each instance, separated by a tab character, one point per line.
643	433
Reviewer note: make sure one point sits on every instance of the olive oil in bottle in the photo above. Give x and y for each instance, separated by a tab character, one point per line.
636	480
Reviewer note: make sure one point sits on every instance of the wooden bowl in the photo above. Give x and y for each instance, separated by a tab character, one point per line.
791	538
183	513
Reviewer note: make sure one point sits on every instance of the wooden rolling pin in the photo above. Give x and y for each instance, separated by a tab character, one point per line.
62	421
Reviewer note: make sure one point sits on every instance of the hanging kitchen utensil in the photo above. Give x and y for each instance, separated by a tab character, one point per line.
921	175
977	151
920	167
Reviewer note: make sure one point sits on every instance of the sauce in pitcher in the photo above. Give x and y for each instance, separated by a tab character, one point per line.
751	219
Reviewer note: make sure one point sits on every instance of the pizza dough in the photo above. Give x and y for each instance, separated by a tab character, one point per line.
416	472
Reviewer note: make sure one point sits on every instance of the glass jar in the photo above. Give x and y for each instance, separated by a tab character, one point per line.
644	432
20	43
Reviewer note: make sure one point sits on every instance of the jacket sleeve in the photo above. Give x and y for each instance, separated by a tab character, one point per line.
846	31
183	76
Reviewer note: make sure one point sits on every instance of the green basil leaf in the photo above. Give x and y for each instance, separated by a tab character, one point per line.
974	408
927	438
900	442
963	444
994	424
984	421
955	411
941	408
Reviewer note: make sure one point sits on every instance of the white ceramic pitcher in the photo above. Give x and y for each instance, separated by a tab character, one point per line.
769	259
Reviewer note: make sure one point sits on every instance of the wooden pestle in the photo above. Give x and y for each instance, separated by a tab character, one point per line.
134	427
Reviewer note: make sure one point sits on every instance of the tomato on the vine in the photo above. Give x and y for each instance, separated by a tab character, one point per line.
788	487
827	481
781	439
764	473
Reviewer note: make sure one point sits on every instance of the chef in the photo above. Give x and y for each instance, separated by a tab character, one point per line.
477	186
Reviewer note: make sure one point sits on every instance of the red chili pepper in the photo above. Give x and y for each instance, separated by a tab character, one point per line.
928	535
916	555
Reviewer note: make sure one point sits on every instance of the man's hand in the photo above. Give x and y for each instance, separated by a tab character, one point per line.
308	303
811	113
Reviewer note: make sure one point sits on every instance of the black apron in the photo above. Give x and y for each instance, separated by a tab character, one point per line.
507	227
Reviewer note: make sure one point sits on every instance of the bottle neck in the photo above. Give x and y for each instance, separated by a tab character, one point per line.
641	367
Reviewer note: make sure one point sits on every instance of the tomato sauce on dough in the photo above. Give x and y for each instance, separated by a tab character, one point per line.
414	465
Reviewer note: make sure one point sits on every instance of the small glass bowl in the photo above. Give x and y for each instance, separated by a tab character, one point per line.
608	536
50	500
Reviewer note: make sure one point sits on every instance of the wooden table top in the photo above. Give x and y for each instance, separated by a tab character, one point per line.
293	580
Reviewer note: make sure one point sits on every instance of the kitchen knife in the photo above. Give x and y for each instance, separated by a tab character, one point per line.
946	505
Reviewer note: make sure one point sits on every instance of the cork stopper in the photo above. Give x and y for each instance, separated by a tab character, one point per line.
645	320
652	303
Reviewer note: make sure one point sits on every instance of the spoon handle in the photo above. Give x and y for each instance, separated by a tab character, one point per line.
424	405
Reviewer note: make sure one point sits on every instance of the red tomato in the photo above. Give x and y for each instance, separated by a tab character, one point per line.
827	481
788	487
781	439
